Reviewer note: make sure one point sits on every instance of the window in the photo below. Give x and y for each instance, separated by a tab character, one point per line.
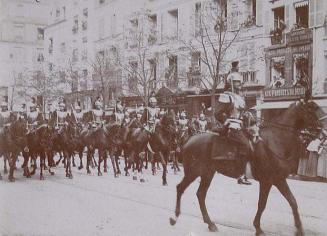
83	83
279	18
57	12
40	57
153	23
62	47
75	25
40	33
197	19
196	61
75	55
172	72
51	45
84	25
19	31
85	12
173	26
301	69
50	66
64	11
277	78
302	16
250	11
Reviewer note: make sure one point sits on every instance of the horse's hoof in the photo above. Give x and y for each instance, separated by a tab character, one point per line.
45	168
80	167
165	184
28	176
70	176
41	177
142	180
52	173
172	221
116	175
105	171
134	177
89	172
12	179
118	172
127	174
212	227
299	232
0	177
99	174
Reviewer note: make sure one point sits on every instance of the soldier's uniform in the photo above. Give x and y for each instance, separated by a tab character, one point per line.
127	118
203	124
5	115
152	114
119	113
62	115
78	115
229	112
98	114
182	121
34	117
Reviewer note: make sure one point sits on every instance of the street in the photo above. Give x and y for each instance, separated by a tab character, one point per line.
93	205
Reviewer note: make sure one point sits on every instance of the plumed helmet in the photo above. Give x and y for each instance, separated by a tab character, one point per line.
61	105
162	112
202	116
98	103
183	114
4	104
126	113
119	107
153	100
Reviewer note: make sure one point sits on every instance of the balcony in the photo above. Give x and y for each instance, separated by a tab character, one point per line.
277	36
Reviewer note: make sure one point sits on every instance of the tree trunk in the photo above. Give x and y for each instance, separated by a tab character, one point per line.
213	100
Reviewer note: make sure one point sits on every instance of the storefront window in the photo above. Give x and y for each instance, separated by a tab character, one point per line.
300	69
277	78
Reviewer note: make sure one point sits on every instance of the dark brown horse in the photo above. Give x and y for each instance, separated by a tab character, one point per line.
12	142
273	159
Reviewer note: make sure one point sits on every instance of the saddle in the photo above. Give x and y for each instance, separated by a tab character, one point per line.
229	152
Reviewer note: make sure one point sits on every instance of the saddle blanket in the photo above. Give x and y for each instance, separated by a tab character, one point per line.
224	149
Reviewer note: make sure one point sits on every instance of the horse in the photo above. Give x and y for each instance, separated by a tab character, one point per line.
158	142
271	162
13	141
39	143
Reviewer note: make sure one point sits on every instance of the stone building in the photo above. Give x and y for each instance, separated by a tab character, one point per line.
21	42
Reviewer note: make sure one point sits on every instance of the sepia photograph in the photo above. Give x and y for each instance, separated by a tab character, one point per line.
163	117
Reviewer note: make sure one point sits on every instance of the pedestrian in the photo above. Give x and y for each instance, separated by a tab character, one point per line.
322	161
303	153
313	148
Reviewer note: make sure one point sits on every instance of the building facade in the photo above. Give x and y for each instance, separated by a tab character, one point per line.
21	42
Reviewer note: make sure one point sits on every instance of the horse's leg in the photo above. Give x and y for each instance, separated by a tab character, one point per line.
105	164
263	196
288	195
60	157
146	155
164	167
25	165
201	194
50	161
5	169
73	159
12	163
112	158
153	163
100	153
80	154
42	160
127	165
69	166
117	163
88	160
181	187
94	161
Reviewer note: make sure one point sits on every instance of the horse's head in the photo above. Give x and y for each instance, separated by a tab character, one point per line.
18	131
305	115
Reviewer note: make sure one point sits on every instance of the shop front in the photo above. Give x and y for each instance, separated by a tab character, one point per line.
288	72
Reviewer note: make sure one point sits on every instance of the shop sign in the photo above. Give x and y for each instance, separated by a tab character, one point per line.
284	93
289	50
301	36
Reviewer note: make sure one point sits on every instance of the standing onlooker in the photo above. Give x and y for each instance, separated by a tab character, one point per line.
303	153
313	148
322	161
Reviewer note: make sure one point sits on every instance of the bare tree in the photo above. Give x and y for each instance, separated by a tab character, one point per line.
215	33
105	73
140	67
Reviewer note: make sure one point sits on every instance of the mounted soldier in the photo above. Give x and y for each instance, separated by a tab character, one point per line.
34	117
231	106
61	115
119	112
5	115
203	123
182	121
78	115
127	118
150	115
98	113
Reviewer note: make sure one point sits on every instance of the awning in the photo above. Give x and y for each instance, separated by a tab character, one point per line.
285	104
301	4
273	105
